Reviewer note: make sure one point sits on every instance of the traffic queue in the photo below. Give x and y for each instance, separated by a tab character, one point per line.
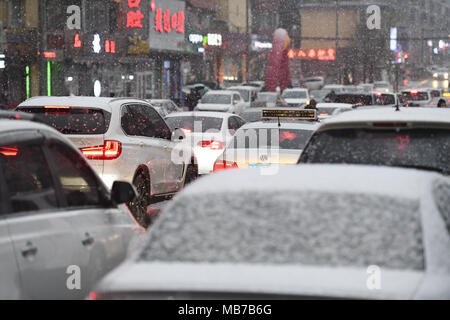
242	197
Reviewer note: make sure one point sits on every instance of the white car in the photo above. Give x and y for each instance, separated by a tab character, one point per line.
123	138
326	110
337	88
417	97
165	105
382	86
313	83
57	218
253	145
247	93
308	232
296	96
207	134
222	101
410	137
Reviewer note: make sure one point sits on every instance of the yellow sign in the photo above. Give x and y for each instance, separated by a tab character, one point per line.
293	114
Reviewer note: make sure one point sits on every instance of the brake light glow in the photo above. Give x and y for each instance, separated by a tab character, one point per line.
378	94
9	151
186	130
414	92
212	144
221	165
110	150
56	107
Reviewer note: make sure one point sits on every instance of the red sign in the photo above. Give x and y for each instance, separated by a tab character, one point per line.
134	17
50	54
110	46
77	41
166	22
313	54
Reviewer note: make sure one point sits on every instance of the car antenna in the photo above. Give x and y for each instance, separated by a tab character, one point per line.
279	124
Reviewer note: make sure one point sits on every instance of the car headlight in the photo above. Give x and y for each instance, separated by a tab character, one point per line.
446	75
435	75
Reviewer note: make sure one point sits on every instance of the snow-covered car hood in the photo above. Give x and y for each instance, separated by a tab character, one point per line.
296	280
295	101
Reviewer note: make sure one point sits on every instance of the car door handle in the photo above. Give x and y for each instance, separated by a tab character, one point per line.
88	240
30	250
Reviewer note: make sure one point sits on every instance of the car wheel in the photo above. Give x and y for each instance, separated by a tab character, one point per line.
191	173
139	207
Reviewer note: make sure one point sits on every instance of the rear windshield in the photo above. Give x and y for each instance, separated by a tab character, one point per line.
294	95
365	100
194	124
267	97
216	99
416	96
73	120
285	226
293	139
419	148
384	99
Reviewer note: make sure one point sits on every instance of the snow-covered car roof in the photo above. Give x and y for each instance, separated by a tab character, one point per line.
212	114
295	89
334	105
368	116
248	88
76	101
228	92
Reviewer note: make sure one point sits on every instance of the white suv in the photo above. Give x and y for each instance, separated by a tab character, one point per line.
124	139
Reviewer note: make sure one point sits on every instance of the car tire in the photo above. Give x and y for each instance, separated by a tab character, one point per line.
191	173
138	207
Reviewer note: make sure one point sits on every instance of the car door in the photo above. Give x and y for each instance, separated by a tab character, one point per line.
43	237
102	230
10	274
172	169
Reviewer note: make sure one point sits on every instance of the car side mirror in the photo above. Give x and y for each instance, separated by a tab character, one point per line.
123	192
178	135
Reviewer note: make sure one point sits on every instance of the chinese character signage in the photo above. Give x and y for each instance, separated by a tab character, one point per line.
135	16
313	54
167	22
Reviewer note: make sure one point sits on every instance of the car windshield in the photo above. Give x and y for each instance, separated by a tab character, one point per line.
69	120
421	148
272	98
354	99
416	95
245	94
194	124
289	227
289	139
216	99
294	95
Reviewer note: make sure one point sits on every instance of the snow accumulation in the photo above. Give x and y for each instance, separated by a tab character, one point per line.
290	227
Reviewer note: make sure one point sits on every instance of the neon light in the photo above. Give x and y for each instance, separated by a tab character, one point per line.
152	5
77	41
49	78
49	54
27	70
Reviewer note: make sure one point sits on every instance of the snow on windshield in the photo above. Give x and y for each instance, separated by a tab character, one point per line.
308	228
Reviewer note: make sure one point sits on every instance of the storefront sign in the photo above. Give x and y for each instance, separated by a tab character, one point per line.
166	25
214	39
313	54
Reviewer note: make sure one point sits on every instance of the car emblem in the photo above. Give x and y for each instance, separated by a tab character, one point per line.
263	157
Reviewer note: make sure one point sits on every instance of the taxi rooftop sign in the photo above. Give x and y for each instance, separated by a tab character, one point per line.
291	114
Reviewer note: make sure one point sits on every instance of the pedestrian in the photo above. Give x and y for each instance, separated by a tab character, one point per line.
312	105
442	104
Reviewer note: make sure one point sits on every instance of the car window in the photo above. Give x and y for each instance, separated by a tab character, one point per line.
80	186
68	120
144	121
420	148
236	98
233	125
28	179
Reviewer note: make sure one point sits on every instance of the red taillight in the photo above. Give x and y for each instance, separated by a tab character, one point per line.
221	165
9	151
109	151
186	130
92	296
212	144
414	92
389	124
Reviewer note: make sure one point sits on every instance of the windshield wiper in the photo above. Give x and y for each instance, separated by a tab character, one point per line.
420	167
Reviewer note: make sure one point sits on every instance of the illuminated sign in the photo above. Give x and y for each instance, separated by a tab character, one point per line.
166	22
262	45
134	15
110	46
214	39
50	54
292	114
195	38
77	41
96	47
313	54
